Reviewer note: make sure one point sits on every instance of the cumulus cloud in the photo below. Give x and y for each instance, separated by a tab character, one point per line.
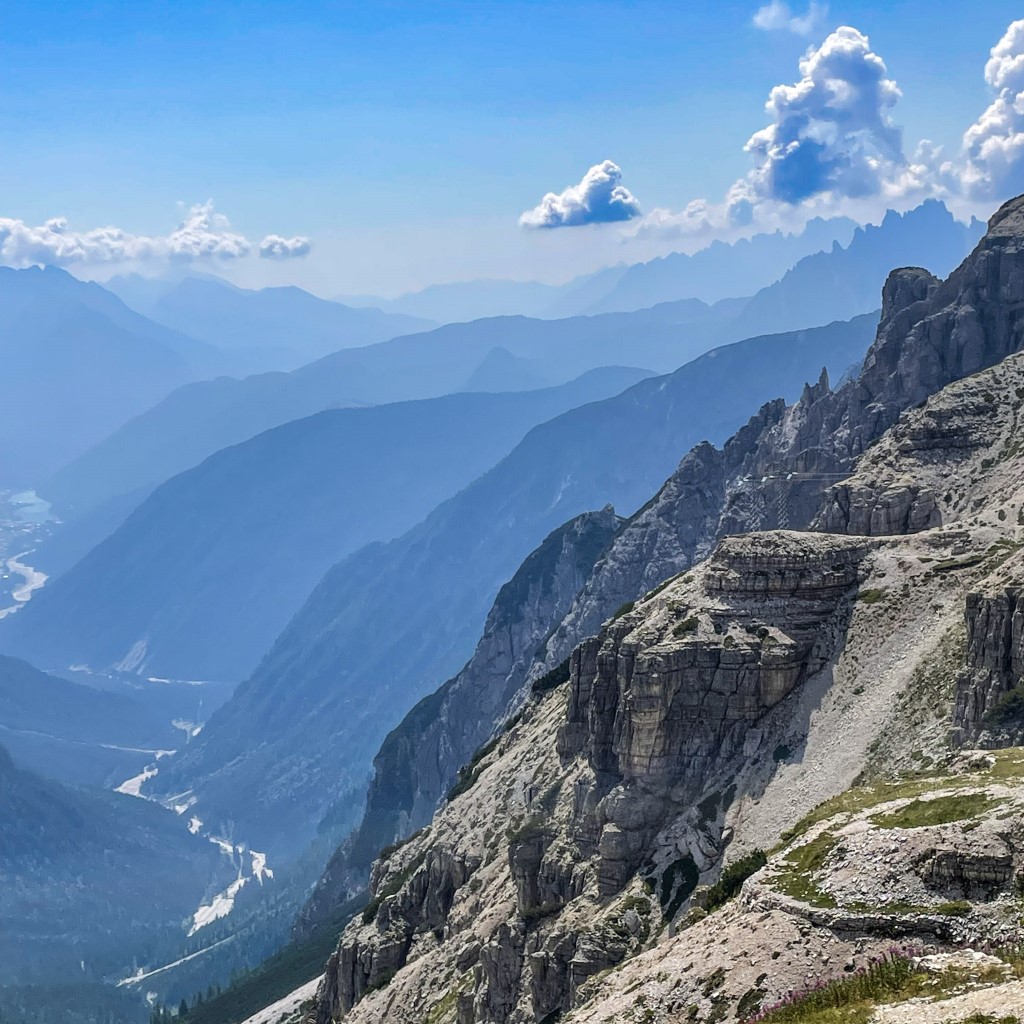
205	233
274	247
778	17
831	131
202	234
600	198
993	147
831	147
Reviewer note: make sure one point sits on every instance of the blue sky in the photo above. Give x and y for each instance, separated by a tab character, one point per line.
406	139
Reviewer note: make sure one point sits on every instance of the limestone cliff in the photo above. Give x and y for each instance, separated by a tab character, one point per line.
772	473
769	673
420	759
699	725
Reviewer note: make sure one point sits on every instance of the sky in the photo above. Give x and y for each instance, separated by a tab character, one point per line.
375	148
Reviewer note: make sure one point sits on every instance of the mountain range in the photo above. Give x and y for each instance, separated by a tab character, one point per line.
762	767
259	329
423	597
198	420
213	564
719	271
77	734
95	492
583	679
77	363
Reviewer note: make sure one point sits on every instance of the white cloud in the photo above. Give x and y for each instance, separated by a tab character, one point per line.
274	247
205	233
830	148
600	198
778	17
202	234
831	131
992	165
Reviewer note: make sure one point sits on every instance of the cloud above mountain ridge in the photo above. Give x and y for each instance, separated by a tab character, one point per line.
832	145
599	198
202	234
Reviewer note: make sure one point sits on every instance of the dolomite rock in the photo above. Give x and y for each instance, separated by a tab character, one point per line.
420	759
995	660
775	473
670	702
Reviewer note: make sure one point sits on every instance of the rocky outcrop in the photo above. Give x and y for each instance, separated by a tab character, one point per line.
411	899
776	473
722	705
420	759
666	696
985	709
658	710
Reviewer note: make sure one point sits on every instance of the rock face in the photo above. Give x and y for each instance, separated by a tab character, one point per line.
418	762
665	698
775	472
656	716
721	706
995	669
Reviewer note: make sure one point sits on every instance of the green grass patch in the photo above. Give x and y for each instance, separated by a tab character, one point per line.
940	810
796	878
952	908
872	595
848	1000
956	564
853	998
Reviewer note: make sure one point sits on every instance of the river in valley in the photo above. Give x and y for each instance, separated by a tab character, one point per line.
26	520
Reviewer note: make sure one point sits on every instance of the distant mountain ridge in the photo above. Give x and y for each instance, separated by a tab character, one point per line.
75	364
202	576
423	597
504	353
720	270
198	420
75	733
260	329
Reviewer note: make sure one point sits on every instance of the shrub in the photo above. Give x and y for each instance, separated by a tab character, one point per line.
953	564
553	679
733	877
1009	709
686	627
623	609
392	888
533	828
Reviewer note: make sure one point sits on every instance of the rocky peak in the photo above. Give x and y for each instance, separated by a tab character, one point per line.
903	289
777	472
